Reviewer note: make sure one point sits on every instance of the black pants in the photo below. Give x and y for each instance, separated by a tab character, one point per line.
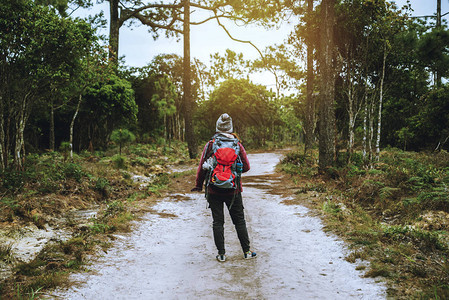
238	219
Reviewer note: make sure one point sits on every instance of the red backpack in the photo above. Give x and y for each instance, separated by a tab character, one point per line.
224	165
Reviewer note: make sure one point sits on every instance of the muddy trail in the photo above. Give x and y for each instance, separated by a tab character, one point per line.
171	254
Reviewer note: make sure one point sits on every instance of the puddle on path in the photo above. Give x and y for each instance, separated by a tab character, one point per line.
174	258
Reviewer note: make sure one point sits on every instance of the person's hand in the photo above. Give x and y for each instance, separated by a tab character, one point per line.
196	189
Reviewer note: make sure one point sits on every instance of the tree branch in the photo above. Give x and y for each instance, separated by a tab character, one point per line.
146	21
128	13
429	16
237	40
252	44
208	19
167	6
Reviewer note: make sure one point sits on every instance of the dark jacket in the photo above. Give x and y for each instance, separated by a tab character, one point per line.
201	173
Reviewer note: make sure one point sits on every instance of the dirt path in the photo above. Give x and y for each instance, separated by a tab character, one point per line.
171	255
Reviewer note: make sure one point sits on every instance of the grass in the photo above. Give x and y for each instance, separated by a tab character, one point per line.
6	253
50	269
159	183
51	185
393	214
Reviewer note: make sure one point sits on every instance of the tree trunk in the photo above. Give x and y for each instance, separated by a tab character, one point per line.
114	27
438	13
310	104
52	126
8	143
166	127
188	103
72	124
371	129
438	25
379	115
354	107
2	137
20	128
351	124
365	100
3	93
365	127
176	131
327	88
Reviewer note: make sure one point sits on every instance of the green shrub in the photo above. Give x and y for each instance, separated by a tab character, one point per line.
136	196
13	180
141	161
32	268
72	170
113	208
10	202
102	186
387	192
162	179
426	240
354	170
294	158
65	149
122	137
99	228
119	161
436	199
375	172
160	182
331	207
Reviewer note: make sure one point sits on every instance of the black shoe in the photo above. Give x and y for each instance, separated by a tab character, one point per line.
221	257
249	254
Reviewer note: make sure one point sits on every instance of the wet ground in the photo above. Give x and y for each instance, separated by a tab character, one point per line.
171	254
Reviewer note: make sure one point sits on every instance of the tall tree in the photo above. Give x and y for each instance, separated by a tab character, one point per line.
188	101
327	87
309	124
114	30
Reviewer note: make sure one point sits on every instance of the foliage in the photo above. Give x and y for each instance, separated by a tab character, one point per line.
165	97
231	65
49	188
65	148
35	65
119	162
45	173
110	104
434	51
394	215
250	106
296	162
158	89
122	137
102	186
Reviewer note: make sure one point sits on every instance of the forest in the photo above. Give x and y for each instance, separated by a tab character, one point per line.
376	80
355	80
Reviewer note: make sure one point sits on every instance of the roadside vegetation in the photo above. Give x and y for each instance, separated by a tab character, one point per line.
119	187
393	213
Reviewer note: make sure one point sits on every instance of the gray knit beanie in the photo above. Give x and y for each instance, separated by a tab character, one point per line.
224	124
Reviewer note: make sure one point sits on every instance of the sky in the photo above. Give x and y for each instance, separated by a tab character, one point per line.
138	47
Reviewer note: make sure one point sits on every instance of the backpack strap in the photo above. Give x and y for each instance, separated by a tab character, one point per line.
208	154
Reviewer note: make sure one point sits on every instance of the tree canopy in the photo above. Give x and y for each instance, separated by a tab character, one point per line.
385	73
